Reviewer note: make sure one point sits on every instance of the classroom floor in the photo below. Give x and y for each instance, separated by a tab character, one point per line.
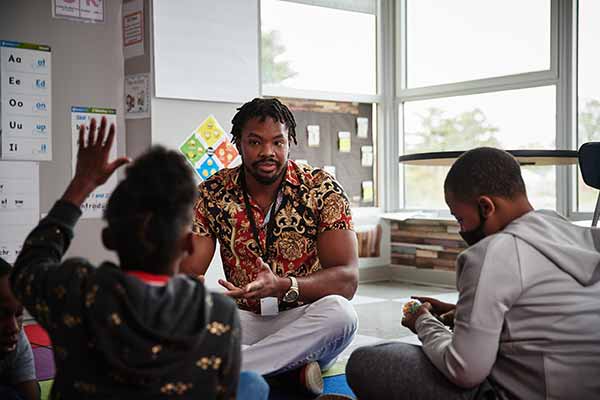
379	309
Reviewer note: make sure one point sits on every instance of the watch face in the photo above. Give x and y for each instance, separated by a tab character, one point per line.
290	296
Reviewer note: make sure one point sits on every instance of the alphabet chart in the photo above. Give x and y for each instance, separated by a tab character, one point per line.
19	205
25	93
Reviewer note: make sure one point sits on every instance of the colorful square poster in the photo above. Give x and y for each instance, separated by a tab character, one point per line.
209	149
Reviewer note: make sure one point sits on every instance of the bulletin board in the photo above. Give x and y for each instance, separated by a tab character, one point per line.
349	171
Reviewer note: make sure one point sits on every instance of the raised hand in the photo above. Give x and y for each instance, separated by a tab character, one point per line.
93	167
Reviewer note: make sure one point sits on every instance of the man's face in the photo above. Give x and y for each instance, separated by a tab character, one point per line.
11	317
264	148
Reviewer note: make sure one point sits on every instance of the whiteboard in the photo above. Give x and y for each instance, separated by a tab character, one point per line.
206	50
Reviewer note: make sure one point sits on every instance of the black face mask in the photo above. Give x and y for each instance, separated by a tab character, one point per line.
474	235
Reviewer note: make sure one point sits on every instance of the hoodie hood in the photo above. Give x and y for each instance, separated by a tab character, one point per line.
145	331
572	248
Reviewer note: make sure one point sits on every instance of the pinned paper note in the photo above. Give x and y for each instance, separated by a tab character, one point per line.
314	135
344	142
95	204
362	127
367	191
366	156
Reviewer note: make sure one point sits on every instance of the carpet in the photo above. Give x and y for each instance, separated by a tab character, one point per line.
42	356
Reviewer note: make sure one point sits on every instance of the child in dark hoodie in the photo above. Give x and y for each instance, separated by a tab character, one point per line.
137	330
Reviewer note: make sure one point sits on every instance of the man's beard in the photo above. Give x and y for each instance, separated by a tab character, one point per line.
269	179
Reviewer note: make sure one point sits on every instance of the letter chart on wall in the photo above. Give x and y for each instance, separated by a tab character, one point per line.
25	93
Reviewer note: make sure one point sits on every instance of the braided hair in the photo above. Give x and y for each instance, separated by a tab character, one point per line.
263	108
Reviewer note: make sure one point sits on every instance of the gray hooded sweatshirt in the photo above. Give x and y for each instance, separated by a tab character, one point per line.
528	313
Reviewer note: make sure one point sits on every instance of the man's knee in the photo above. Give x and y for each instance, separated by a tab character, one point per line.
339	312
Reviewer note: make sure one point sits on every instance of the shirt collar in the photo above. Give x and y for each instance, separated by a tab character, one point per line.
149	278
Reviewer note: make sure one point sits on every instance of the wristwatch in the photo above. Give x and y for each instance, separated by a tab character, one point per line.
293	293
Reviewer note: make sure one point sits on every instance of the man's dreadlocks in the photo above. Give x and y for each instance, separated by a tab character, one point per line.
263	108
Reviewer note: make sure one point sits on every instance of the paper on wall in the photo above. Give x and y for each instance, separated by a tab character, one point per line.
366	156
209	149
133	28
367	191
26	97
314	135
19	205
137	96
362	127
344	142
79	10
94	205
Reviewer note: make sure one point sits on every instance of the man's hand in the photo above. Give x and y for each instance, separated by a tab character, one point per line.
266	284
232	290
93	168
437	307
410	319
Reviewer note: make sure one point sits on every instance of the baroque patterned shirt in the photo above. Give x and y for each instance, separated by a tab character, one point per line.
312	202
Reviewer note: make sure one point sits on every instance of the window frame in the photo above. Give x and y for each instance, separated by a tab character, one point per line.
561	74
392	94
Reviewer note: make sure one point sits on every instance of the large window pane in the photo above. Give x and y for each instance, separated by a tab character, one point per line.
317	48
460	40
512	120
588	90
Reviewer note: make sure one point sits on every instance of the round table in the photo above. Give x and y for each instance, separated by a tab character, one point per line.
524	157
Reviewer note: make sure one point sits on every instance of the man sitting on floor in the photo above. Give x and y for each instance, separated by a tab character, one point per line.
528	314
287	245
135	331
17	370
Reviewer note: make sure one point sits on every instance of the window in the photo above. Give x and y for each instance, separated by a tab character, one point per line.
512	119
314	48
476	73
588	90
463	40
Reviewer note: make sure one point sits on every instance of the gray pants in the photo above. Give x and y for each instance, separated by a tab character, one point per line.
319	331
394	371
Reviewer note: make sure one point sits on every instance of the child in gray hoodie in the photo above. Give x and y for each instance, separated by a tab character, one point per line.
527	321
